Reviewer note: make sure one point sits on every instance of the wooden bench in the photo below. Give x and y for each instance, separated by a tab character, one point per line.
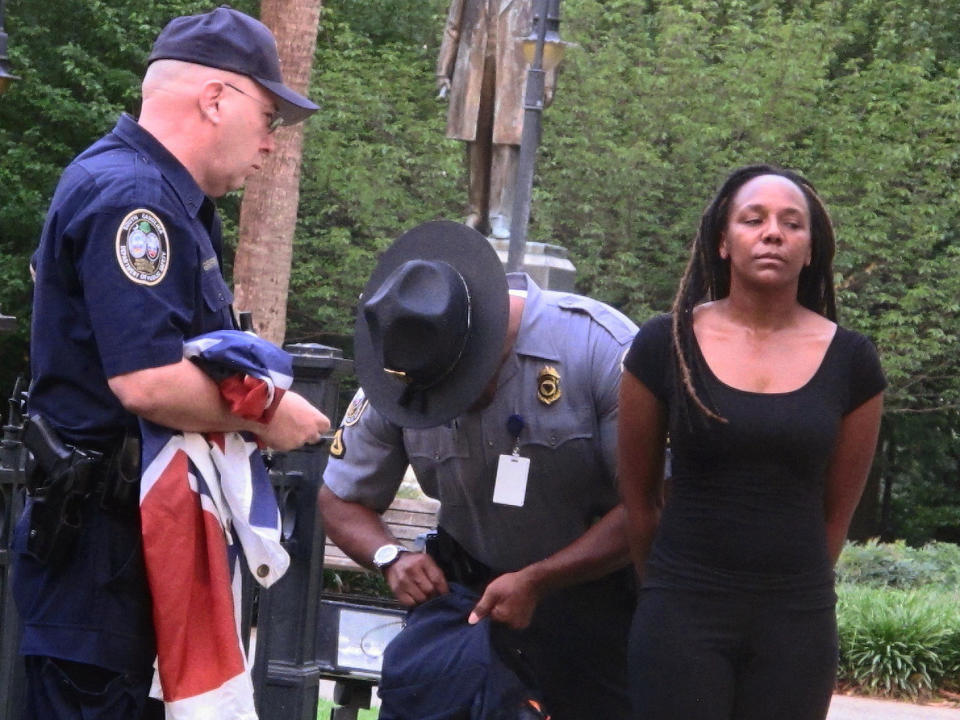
407	518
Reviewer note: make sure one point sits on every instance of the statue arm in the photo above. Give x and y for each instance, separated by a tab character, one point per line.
549	87
449	46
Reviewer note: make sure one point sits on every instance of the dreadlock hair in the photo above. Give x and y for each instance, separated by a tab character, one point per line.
707	276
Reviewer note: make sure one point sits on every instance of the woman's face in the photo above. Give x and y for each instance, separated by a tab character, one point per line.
767	235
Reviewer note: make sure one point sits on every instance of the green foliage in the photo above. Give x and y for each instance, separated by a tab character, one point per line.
923	468
897	565
376	163
388	22
893	129
648	120
347	582
898	643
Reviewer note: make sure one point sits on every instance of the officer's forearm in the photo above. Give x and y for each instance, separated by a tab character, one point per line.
354	528
179	396
598	552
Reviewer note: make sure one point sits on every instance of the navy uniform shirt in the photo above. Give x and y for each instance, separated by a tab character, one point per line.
562	378
127	268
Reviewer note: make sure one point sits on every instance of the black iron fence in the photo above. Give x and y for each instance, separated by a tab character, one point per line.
11	503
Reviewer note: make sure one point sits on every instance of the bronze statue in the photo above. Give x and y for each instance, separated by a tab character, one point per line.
481	65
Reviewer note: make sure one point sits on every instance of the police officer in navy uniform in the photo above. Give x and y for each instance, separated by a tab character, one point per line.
503	398
128	267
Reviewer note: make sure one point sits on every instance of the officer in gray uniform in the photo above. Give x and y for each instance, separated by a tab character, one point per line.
503	399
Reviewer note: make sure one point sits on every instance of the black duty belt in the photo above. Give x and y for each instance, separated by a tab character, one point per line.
457	564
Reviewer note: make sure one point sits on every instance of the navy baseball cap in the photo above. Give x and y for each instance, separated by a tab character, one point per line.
230	40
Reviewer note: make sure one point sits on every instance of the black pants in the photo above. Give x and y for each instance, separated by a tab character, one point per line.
65	690
576	647
709	657
576	644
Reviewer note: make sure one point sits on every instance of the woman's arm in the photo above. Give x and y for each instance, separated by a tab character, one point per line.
641	441
849	466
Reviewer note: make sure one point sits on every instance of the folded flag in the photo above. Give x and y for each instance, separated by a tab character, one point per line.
200	495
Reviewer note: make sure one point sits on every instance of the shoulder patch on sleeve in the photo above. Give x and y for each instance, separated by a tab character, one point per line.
613	321
355	409
143	248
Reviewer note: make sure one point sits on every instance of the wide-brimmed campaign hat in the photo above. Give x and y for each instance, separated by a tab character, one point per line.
228	39
431	324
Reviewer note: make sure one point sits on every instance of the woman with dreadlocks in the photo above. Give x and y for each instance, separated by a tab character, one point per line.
772	412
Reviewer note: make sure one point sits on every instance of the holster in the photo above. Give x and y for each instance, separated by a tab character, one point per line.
56	510
61	477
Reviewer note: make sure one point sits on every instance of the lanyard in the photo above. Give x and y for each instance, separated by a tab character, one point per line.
515	426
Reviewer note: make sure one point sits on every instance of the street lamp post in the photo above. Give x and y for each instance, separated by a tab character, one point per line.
547	19
6	77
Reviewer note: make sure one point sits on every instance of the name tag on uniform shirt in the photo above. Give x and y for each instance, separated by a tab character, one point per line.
510	487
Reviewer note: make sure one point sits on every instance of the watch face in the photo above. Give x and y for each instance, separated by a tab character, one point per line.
385	555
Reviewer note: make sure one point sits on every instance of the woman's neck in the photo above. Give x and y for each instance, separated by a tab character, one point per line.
764	312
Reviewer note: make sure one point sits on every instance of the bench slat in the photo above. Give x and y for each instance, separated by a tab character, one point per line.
423	505
406	518
397	517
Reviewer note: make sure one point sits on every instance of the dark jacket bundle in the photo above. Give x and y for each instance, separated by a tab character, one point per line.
439	667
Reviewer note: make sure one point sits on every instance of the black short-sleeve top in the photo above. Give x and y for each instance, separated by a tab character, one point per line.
745	500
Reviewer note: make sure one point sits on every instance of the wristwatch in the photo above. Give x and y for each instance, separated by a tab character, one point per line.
386	555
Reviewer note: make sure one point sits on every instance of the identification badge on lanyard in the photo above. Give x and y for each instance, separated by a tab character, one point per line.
510	487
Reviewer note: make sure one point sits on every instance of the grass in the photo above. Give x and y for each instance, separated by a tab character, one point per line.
325	706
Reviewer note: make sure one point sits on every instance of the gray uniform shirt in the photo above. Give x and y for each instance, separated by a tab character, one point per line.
571	441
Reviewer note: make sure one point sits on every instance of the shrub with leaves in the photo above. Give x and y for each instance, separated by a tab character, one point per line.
898	565
951	660
898	643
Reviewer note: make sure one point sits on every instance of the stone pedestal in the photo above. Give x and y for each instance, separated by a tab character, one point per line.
547	264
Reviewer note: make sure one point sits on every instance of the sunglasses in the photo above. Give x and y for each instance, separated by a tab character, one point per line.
275	120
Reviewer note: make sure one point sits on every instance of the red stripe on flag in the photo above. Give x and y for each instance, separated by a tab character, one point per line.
246	395
190	582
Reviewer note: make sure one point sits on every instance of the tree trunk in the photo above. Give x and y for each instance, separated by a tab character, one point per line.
268	214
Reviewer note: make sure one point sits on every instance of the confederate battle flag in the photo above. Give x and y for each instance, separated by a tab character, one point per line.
202	494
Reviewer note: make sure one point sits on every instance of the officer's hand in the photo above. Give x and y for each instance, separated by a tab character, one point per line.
510	599
415	578
296	422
